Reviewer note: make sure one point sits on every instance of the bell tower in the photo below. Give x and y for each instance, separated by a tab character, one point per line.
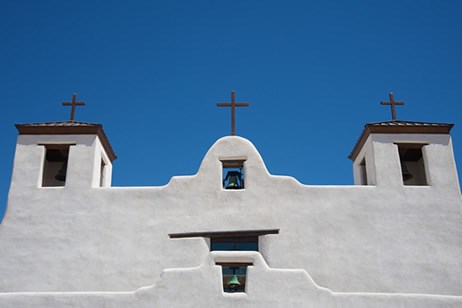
399	153
404	154
62	154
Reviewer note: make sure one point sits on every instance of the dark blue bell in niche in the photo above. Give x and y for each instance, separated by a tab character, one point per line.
233	180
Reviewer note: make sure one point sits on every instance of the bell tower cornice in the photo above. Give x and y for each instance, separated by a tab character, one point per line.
398	127
68	128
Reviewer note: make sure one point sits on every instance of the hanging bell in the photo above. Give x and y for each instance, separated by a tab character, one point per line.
405	171
234	282
61	175
234	180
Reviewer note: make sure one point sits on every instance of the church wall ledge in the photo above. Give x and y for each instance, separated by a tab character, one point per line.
294	287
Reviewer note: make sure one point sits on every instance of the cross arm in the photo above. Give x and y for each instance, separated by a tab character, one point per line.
75	104
236	104
392	103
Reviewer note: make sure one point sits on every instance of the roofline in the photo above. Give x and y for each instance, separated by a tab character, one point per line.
90	129
376	128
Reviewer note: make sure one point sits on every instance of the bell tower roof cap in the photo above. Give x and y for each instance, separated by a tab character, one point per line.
68	128
398	127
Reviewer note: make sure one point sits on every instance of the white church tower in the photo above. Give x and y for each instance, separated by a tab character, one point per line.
233	234
62	154
405	154
71	154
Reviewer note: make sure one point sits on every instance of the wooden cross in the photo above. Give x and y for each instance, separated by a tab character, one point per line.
233	106
392	103
73	104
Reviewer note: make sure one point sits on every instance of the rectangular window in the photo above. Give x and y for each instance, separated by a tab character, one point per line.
233	174
234	243
412	164
362	172
55	165
234	276
102	173
242	240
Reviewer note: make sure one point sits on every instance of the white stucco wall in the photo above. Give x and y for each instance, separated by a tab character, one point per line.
334	240
200	287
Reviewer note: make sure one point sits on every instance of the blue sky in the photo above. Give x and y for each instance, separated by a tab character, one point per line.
152	72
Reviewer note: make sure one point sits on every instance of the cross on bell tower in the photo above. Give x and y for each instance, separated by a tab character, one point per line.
392	103
233	106
73	104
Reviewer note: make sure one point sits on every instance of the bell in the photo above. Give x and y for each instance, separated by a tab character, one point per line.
61	175
406	174
234	282
234	180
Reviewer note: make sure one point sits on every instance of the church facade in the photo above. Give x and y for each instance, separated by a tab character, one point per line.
233	235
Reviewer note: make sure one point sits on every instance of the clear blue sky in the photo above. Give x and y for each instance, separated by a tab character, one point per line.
152	71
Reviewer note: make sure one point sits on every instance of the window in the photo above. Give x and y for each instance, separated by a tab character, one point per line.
55	165
234	243
233	174
230	240
102	173
234	276
363	172
412	164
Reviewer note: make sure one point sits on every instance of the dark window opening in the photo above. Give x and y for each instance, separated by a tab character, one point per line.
234	276
102	174
55	165
249	243
240	240
362	172
233	174
412	164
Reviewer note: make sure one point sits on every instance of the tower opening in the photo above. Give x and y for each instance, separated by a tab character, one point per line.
55	165
412	164
233	174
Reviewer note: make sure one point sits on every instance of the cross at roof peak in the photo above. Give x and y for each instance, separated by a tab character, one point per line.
73	104
233	106
392	103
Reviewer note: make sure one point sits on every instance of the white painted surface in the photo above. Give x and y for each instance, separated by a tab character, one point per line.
111	244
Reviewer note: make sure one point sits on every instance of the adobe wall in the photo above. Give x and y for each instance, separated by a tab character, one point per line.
199	287
368	239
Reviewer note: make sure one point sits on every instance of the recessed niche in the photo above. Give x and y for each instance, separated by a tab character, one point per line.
102	174
55	165
233	174
412	164
363	172
234	276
